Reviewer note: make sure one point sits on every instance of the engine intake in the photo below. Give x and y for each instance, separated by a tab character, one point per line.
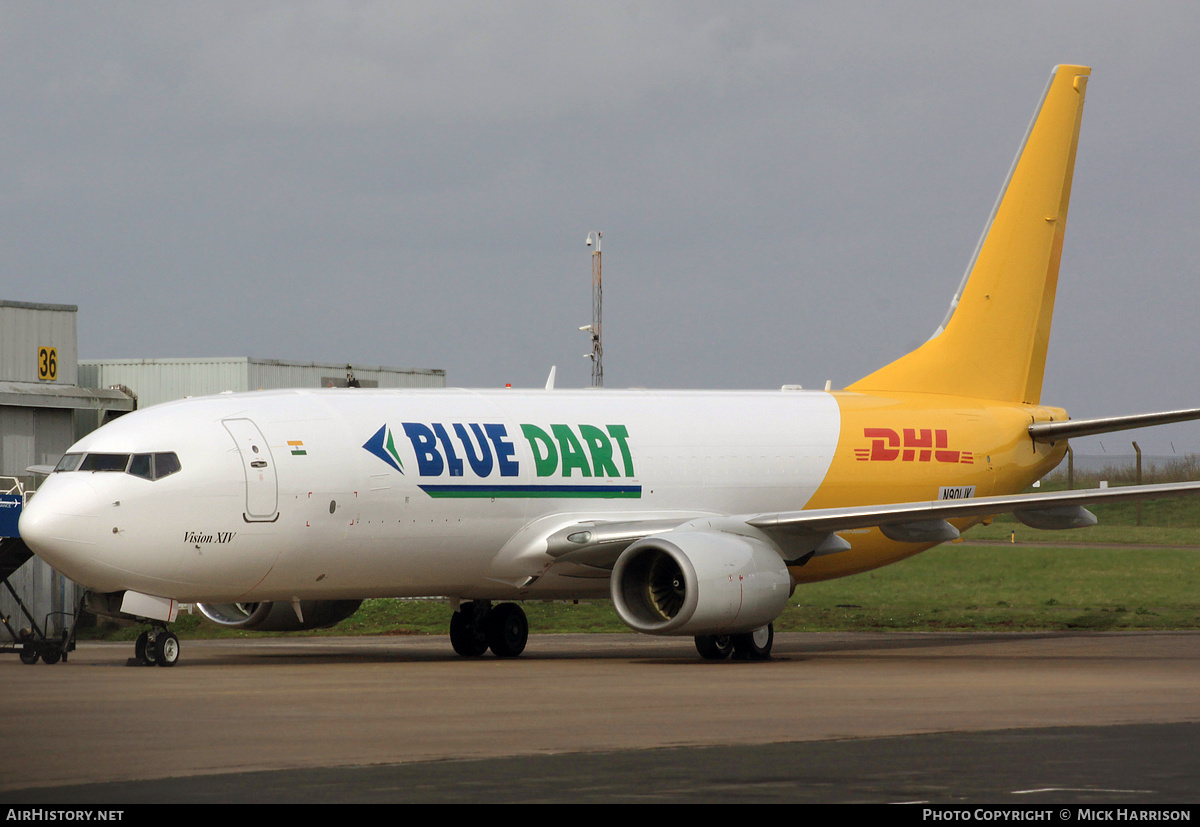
279	617
699	583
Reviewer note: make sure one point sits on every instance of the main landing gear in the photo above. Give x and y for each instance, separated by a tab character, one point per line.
478	626
754	645
158	646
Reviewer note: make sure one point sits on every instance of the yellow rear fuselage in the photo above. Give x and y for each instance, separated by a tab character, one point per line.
909	447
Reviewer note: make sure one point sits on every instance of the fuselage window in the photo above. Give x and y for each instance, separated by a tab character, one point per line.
105	462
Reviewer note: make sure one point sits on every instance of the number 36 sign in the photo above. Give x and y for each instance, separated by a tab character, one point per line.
48	363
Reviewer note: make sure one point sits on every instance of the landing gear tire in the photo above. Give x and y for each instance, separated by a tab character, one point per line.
29	656
466	636
507	630
166	649
714	647
51	658
143	649
755	645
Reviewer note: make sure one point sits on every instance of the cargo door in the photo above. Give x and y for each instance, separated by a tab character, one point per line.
262	487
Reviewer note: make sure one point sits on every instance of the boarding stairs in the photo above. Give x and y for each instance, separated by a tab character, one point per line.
30	642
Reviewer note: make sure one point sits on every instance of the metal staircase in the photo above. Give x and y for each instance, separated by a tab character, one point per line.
30	642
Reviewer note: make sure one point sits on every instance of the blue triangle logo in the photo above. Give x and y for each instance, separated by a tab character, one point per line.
383	446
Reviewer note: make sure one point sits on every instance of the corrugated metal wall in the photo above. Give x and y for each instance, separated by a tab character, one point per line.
31	435
24	328
270	373
162	380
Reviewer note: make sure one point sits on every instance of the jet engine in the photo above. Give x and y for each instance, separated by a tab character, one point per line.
699	583
279	617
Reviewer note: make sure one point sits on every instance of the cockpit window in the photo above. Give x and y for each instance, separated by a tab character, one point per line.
69	462
146	466
154	466
165	464
142	466
104	462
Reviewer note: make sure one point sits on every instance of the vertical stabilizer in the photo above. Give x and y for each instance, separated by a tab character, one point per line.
992	344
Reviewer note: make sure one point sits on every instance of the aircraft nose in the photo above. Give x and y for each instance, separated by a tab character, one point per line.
61	525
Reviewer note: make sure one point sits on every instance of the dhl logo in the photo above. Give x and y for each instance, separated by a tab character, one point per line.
920	445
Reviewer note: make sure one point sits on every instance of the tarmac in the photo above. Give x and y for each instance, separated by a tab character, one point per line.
908	717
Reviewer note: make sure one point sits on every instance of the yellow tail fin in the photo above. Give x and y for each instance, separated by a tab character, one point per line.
992	344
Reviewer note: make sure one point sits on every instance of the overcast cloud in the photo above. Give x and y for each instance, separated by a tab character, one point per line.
789	192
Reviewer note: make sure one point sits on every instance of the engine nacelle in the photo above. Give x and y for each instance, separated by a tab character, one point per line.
699	583
279	617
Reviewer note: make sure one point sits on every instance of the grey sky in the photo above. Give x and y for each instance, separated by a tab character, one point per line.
789	191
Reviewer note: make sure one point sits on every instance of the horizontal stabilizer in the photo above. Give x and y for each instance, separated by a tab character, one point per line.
1054	431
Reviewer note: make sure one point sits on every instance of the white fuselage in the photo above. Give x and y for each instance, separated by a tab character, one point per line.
326	494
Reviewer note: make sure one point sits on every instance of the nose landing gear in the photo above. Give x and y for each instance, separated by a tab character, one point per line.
158	646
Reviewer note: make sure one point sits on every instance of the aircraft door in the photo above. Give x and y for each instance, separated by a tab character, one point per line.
262	486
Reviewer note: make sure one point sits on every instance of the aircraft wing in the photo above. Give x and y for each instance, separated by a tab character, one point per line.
599	544
826	520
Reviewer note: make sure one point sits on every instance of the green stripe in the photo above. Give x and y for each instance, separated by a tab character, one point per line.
608	492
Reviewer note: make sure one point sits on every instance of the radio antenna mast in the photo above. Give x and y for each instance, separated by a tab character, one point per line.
596	327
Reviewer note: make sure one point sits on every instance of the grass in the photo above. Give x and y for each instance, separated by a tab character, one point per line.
964	586
1145	535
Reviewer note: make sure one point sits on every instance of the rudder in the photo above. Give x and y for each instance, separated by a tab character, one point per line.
993	342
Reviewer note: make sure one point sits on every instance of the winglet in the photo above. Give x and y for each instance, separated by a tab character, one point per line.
993	342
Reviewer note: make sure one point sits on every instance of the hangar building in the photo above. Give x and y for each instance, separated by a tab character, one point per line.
49	399
153	381
42	411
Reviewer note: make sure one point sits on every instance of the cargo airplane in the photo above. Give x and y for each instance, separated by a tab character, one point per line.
698	513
